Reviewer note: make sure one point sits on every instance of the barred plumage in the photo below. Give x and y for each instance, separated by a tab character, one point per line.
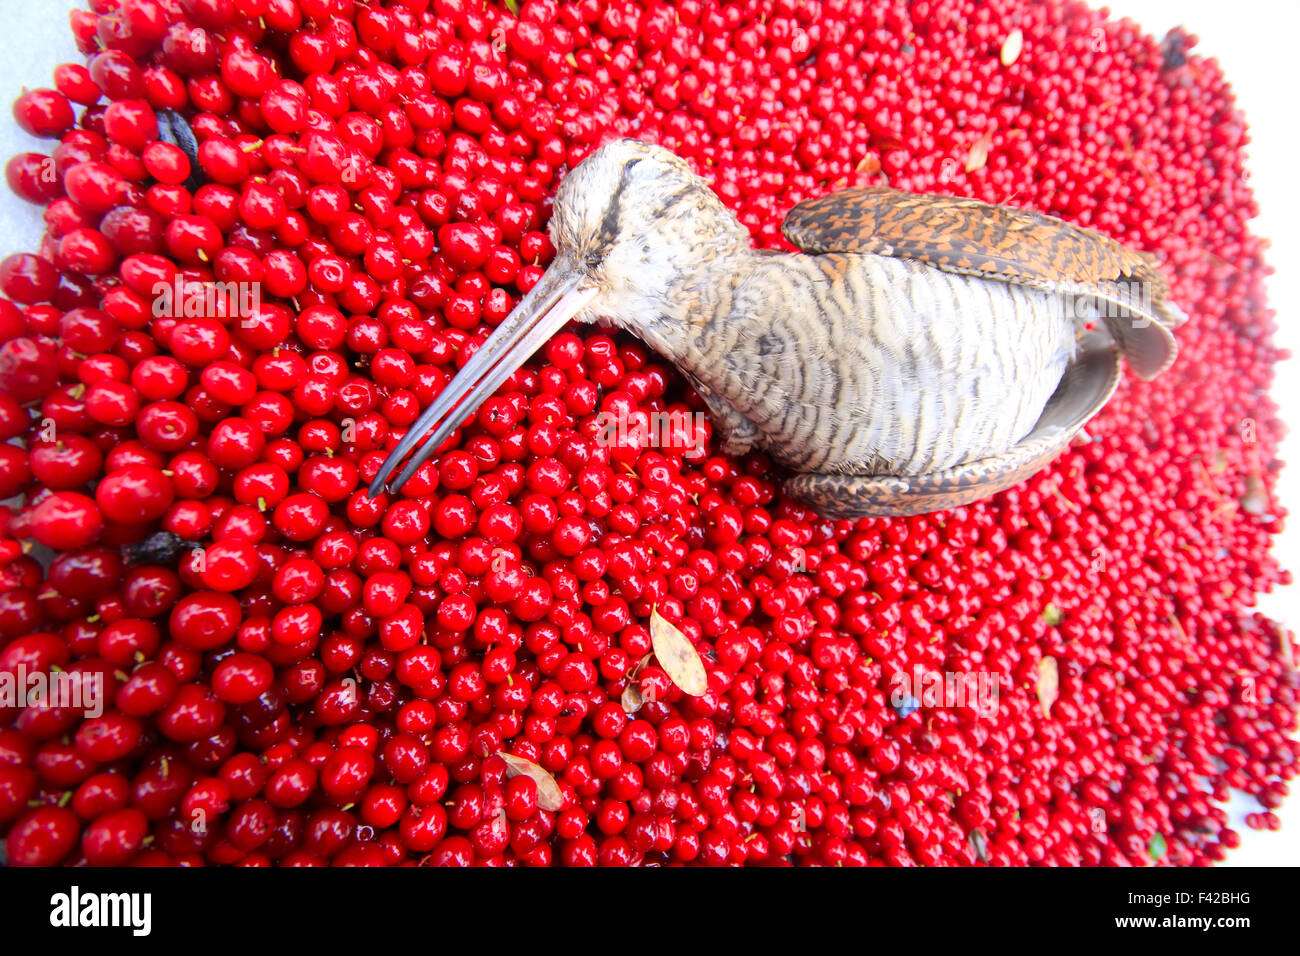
858	334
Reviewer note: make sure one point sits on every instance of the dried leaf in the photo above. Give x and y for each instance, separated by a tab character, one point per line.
549	795
1255	500
979	152
980	845
870	164
632	699
1285	647
1049	684
678	657
1012	46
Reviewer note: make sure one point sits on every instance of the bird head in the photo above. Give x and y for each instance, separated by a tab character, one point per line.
626	222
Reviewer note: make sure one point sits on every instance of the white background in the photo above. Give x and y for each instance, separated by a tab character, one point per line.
1255	40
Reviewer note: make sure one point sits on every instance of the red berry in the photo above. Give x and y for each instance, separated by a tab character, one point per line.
66	521
134	495
44	113
41	837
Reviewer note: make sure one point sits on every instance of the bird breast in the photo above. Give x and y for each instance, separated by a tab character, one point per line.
863	364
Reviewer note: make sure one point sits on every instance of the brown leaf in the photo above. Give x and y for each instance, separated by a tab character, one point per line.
678	657
632	699
980	844
1255	500
870	164
1049	684
549	795
1012	46
640	665
979	152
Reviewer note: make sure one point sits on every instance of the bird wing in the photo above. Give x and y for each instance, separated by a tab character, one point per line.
970	237
1087	385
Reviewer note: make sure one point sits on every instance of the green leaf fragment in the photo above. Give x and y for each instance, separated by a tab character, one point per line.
1157	847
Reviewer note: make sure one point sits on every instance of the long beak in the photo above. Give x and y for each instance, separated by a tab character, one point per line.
557	298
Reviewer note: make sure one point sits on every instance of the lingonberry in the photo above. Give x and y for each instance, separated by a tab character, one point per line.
42	837
66	521
45	113
135	494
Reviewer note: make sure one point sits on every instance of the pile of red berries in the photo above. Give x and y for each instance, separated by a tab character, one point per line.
294	673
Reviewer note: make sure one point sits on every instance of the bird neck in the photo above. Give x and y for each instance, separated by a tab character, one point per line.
693	301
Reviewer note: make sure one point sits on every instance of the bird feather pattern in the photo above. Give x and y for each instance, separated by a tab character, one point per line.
969	237
882	365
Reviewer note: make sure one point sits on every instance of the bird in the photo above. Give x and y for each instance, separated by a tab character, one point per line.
919	352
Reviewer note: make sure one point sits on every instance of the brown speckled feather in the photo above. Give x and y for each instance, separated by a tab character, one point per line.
970	237
964	234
